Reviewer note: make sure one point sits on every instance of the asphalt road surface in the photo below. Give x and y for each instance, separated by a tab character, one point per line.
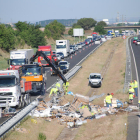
133	117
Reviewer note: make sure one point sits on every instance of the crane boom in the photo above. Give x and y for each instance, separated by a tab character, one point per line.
40	53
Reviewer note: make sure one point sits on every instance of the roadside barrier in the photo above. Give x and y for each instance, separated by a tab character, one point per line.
128	67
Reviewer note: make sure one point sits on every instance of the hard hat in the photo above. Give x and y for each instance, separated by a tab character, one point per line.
112	93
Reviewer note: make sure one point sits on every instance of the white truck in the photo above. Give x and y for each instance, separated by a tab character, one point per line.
13	89
20	57
63	46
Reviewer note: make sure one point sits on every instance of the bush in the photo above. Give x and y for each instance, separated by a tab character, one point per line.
7	38
41	136
54	30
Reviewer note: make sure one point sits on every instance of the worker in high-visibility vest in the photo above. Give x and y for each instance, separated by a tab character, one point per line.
65	86
132	84
131	93
58	85
53	91
108	100
139	104
136	87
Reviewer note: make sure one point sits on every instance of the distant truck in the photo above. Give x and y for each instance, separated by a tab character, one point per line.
14	91
63	46
47	50
109	32
19	57
117	32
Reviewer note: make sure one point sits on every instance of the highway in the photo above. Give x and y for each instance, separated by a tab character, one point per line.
133	118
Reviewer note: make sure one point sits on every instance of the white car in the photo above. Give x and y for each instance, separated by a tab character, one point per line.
79	46
64	63
95	80
76	48
72	50
58	57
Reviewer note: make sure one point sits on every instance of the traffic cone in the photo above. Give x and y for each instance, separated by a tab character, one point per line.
71	57
75	53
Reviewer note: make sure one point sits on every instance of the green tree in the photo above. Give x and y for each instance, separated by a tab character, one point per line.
121	24
7	38
100	29
70	32
30	34
21	26
86	23
102	23
54	30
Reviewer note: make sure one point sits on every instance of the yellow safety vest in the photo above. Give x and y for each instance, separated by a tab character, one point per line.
66	85
139	102
135	84
110	96
108	99
57	85
130	96
53	90
132	85
131	90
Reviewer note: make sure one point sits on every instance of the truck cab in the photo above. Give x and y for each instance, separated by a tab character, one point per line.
34	73
47	50
19	57
9	87
63	46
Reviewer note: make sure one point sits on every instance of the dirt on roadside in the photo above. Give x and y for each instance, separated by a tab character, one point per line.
110	127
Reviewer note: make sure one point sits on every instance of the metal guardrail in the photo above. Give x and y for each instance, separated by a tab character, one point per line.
10	123
5	127
128	67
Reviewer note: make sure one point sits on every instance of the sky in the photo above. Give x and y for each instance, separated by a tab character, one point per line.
38	10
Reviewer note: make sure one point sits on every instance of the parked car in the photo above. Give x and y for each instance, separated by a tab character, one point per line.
103	38
72	49
134	41
58	57
63	69
76	48
79	46
137	42
87	41
61	54
95	80
65	63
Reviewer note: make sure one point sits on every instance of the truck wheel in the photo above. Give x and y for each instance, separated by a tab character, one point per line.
29	99
43	89
19	104
22	102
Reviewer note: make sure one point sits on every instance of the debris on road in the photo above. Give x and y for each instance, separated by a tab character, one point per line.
73	114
